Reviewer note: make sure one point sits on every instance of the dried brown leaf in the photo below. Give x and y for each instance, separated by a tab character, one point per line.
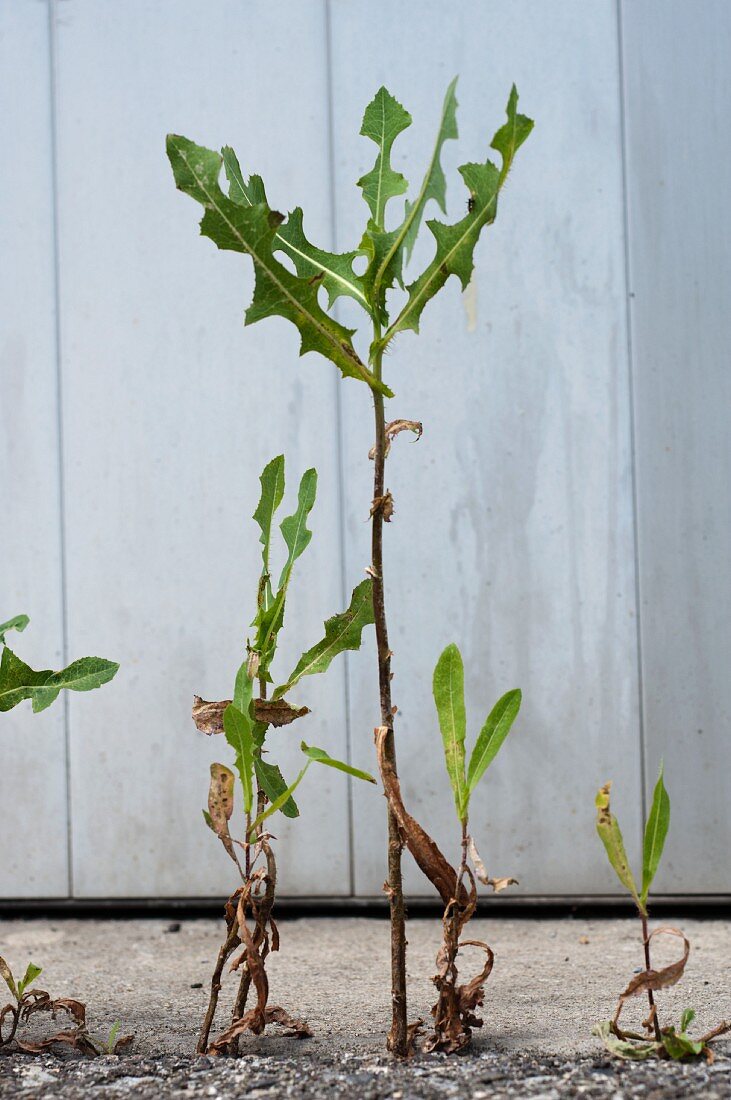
295	1028
221	804
421	846
497	884
208	716
392	430
654	979
384	505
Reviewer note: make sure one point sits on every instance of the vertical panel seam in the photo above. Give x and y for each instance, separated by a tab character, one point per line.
53	114
340	449
632	411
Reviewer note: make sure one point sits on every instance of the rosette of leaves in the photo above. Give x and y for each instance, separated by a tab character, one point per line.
454	1012
245	720
655	1041
237	216
18	681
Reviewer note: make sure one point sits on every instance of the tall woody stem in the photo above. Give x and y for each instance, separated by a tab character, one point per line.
398	1035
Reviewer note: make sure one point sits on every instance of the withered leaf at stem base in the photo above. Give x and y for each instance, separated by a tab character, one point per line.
421	846
393	428
384	505
497	884
653	979
208	717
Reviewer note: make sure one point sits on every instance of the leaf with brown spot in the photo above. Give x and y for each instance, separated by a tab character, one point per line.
497	884
221	804
208	717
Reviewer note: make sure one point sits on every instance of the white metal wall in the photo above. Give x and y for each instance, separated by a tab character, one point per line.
589	369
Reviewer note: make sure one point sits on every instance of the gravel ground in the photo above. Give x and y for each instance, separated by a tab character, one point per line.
552	980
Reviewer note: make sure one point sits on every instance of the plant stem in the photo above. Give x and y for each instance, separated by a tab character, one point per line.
398	1036
648	966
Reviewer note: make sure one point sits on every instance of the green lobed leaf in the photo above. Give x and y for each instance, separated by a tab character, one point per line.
656	830
251	230
18	681
273	784
456	243
383	121
611	837
493	733
448	688
679	1046
321	757
18	623
342	632
237	728
272	491
334	270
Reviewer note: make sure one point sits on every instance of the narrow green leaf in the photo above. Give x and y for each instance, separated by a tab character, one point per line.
611	837
19	681
321	757
334	270
434	185
237	728
281	800
493	733
243	689
455	244
342	632
294	528
273	784
31	973
19	623
383	121
686	1018
251	230
272	491
448	687
656	830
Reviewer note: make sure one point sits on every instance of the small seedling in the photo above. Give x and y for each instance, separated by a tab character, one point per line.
657	1041
243	221
245	721
30	1002
19	681
454	1012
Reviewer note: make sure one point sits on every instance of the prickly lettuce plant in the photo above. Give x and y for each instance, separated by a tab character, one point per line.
18	681
454	1011
657	1041
241	219
246	720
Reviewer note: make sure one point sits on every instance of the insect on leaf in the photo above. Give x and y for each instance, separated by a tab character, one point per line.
334	271
19	623
251	230
273	783
448	687
18	681
611	837
237	728
272	492
383	121
656	830
321	757
342	632
455	244
493	733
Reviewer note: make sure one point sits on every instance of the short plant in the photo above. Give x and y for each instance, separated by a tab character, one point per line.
454	1011
243	221
656	1041
246	720
18	681
29	1002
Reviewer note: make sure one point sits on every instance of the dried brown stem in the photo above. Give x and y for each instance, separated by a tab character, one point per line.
224	954
652	1016
398	1038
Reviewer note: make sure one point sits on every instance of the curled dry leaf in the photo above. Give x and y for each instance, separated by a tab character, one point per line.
653	979
454	1012
421	846
393	428
383	505
497	884
221	804
208	717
